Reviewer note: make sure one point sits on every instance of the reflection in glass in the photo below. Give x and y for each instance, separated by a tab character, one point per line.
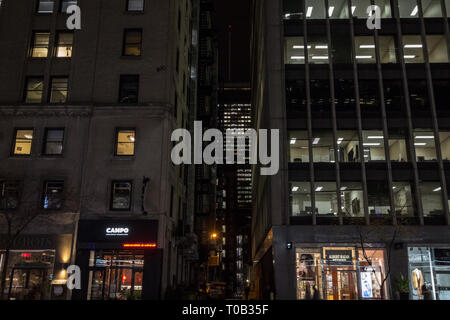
403	200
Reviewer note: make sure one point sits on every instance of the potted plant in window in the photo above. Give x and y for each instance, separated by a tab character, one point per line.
401	285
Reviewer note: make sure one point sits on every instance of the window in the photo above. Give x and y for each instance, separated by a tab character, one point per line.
323	147
348	146
132	43
294	50
326	199
125	144
9	192
385	6
359	8
315	9
45	6
300	199
413	49
23	140
424	144
67	3
397	147
431	193
121	195
64	45
337	9
299	146
394	96
373	143
447	7
387	49
53	195
378	195
437	48
40	44
34	89
365	49
352	199
58	92
403	199
444	137
431	8
408	9
135	5
53	142
129	89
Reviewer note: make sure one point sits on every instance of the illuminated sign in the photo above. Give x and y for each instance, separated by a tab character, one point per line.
140	245
117	231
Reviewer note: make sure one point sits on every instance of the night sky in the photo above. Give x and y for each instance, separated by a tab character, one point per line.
237	14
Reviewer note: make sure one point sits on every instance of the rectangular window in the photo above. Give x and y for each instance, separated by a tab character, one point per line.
437	48
388	53
425	146
365	49
379	202
53	142
40	43
413	49
359	8
403	200
445	145
67	3
132	42
125	144
23	139
431	193
397	147
294	50
129	89
59	89
338	9
121	195
431	8
135	5
315	9
64	45
9	191
300	199
45	6
34	89
385	6
408	9
348	146
326	199
299	147
53	195
323	147
373	143
352	199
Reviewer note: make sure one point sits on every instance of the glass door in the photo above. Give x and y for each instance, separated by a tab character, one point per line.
341	285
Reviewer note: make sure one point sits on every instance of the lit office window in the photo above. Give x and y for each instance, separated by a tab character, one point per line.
385	6
432	203
352	199
294	50
408	9
53	142
403	199
413	49
132	42
431	8
365	49
64	45
45	6
338	9
40	44
323	147
129	89
348	146
59	89
326	199
34	89
9	191
388	53
121	195
125	143
397	147
315	9
135	5
378	194
359	8
23	140
437	48
67	3
373	143
318	49
425	146
53	195
444	138
300	199
299	146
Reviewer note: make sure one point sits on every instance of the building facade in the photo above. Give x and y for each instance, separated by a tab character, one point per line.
86	121
362	197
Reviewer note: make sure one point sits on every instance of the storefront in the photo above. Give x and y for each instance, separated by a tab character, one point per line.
36	267
119	260
341	273
429	273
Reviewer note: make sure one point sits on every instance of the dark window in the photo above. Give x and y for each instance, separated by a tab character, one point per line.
67	3
320	97
40	43
442	96
418	93
393	95
34	89
129	89
53	142
53	195
9	193
45	6
64	45
296	95
23	139
132	42
58	93
125	142
135	5
369	98
121	195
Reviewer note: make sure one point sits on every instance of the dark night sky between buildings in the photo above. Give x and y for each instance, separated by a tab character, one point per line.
237	14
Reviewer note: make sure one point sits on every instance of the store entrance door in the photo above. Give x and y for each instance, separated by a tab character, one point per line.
28	284
341	285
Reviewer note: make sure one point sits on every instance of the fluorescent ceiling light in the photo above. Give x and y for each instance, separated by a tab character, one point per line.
364	57
316	141
340	140
420	144
321	47
424	137
415	11
295	189
330	11
309	12
353	9
343	188
320	57
319	189
372	144
293	141
300	47
375	137
297	58
411	46
367	46
437	189
409	57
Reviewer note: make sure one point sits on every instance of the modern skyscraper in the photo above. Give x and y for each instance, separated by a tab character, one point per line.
362	196
86	120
